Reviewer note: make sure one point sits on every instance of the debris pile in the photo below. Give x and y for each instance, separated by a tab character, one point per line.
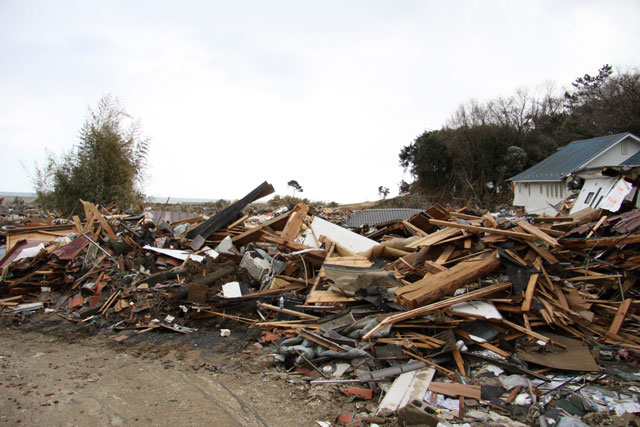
441	315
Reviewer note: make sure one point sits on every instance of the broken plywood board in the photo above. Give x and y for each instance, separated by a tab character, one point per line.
40	234
576	356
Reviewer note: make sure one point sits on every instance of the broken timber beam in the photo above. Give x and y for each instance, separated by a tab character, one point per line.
532	229
515	234
440	305
434	287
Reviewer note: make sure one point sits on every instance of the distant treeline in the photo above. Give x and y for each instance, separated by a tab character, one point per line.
483	144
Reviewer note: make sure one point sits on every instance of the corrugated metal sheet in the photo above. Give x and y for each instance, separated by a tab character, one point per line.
373	217
568	158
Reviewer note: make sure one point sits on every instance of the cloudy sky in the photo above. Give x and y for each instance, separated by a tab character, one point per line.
324	92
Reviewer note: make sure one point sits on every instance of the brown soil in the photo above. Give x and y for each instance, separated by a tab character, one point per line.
54	372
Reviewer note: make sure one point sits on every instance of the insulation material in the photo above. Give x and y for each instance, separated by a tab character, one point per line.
350	240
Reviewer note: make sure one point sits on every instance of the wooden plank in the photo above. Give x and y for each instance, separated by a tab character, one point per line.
514	393
459	362
489	221
438	212
97	215
78	224
486	345
465	216
434	287
469	256
515	256
456	390
435	237
338	248
287	311
531	333
431	266
292	227
538	233
349	261
324	297
600	242
288	288
445	371
234	224
548	231
489	230
554	218
414	230
444	256
594	277
528	295
320	340
294	324
598	224
315	257
620	315
543	252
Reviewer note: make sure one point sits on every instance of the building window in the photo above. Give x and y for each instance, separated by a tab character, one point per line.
541	185
595	197
623	148
599	200
589	198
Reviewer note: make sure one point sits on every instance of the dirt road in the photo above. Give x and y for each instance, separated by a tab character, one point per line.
67	376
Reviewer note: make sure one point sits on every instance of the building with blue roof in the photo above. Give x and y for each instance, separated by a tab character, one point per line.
545	184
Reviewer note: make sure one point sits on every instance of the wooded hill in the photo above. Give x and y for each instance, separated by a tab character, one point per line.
469	159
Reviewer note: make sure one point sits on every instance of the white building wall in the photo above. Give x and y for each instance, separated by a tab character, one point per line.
616	154
593	192
537	196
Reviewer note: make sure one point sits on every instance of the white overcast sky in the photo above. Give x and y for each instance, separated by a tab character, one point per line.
325	92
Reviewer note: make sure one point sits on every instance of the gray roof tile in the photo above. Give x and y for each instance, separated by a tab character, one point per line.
373	217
